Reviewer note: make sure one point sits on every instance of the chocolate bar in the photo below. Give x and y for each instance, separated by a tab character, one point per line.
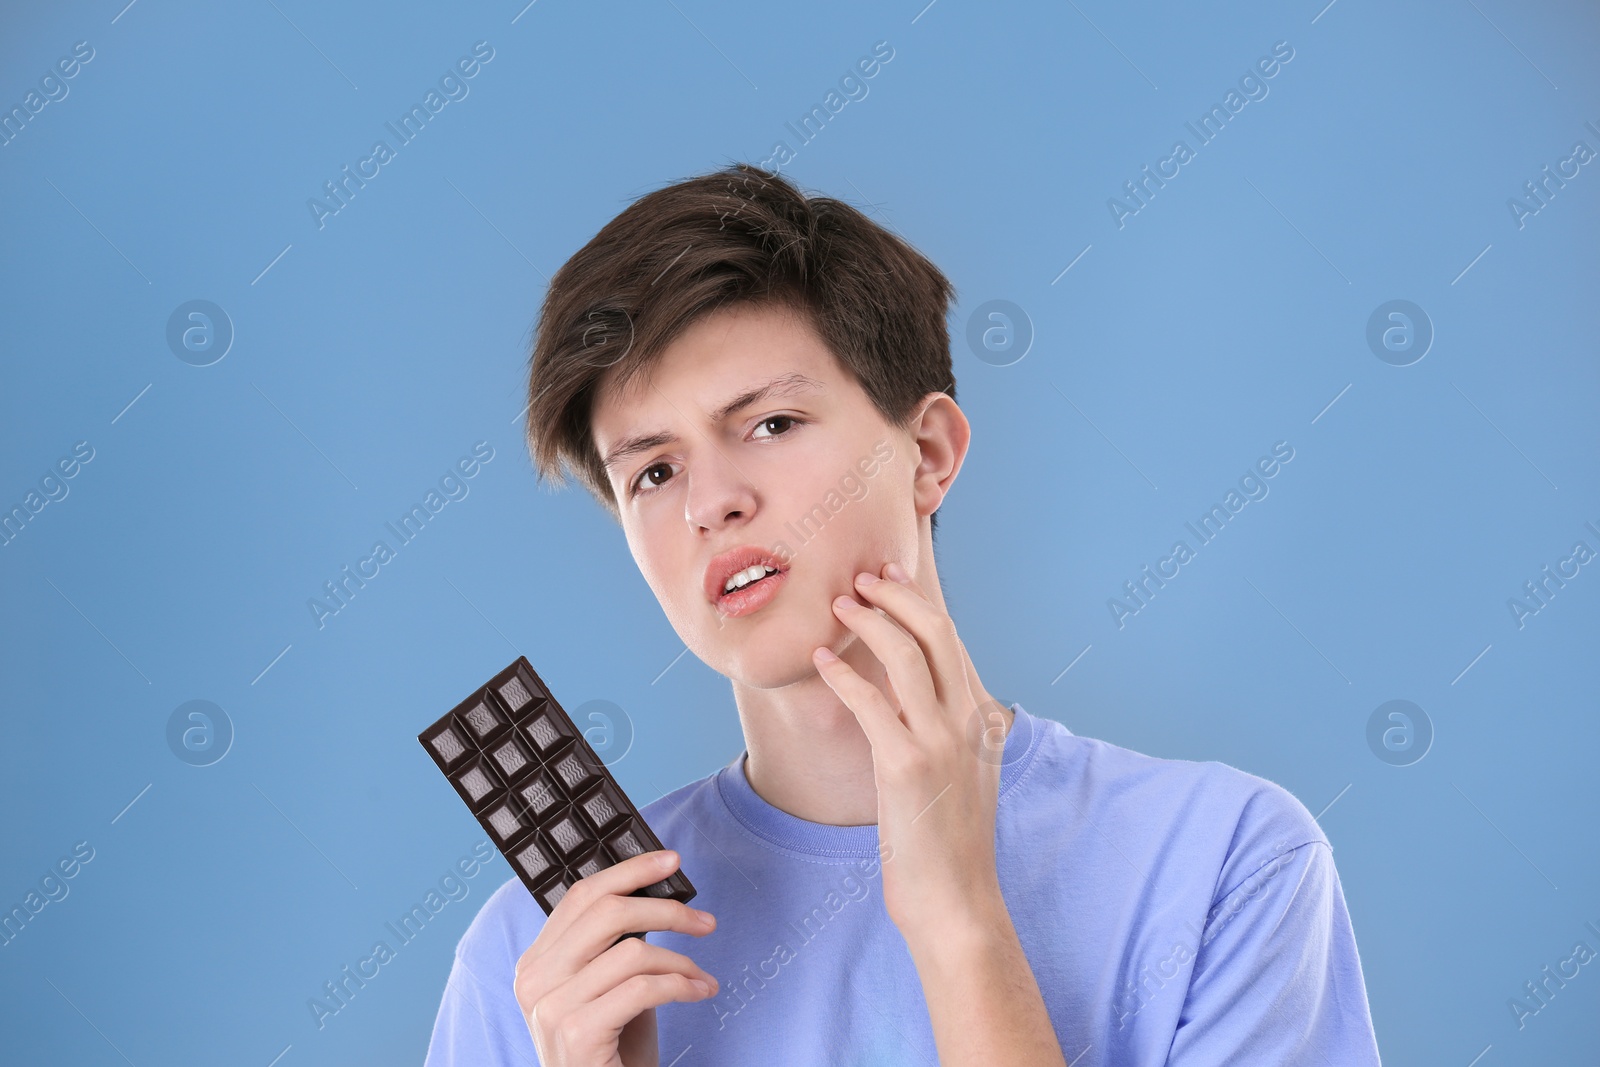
546	800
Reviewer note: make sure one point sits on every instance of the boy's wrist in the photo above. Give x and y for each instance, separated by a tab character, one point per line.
983	1000
956	933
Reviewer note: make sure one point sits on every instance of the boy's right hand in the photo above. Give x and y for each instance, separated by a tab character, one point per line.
590	999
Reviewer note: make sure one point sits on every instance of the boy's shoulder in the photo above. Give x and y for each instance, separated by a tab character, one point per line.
1187	810
504	927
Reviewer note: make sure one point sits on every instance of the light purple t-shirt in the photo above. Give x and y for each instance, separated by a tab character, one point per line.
1173	912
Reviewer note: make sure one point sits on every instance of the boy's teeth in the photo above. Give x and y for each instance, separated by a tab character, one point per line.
746	576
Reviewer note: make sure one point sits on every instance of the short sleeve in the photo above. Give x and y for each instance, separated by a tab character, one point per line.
480	1023
473	1029
1277	980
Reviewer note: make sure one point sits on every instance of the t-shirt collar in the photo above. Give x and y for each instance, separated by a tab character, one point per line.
778	827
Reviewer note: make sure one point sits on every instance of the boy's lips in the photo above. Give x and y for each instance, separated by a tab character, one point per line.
753	597
750	597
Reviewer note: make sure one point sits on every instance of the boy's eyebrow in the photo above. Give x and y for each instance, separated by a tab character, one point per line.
783	385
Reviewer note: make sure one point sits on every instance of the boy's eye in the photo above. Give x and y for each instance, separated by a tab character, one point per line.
645	484
789	419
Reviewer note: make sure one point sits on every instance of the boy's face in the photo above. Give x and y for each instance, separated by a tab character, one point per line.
810	475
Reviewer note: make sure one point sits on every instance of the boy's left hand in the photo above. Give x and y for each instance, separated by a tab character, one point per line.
937	746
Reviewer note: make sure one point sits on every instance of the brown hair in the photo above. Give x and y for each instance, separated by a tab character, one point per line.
740	235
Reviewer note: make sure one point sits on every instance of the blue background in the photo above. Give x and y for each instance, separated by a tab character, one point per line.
370	355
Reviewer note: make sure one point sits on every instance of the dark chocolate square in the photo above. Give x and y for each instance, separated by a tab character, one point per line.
567	831
533	861
548	728
591	862
550	893
539	792
603	808
483	721
514	694
575	772
512	755
477	783
625	844
448	743
508	821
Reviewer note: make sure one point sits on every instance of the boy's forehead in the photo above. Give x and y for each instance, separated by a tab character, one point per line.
713	364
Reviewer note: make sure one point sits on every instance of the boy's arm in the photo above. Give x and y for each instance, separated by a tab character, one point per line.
937	749
1277	979
983	1000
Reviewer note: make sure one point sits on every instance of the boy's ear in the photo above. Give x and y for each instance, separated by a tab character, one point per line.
942	434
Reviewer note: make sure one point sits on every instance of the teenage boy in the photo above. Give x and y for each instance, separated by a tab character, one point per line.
898	868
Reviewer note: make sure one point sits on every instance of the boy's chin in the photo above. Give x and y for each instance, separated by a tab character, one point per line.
773	669
776	663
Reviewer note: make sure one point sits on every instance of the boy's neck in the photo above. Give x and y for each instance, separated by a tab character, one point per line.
808	755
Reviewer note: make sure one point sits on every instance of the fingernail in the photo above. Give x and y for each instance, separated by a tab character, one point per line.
667	859
826	655
703	916
704	989
897	573
865	578
843	602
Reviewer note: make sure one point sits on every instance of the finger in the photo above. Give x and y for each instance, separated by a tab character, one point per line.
602	925
607	1015
897	650
623	878
628	957
974	686
885	730
933	631
558	1005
